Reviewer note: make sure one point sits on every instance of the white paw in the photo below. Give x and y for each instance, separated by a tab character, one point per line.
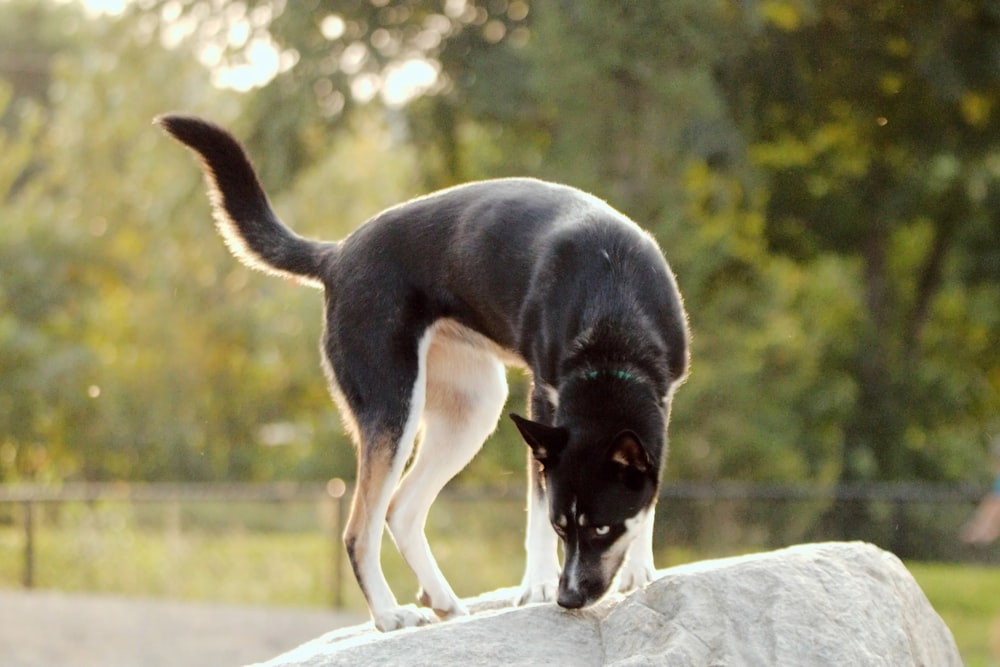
408	616
633	576
544	591
449	608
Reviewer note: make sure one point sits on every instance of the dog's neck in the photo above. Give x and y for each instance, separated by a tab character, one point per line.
615	349
621	374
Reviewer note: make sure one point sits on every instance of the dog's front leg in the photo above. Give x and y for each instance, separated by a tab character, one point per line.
541	572
639	569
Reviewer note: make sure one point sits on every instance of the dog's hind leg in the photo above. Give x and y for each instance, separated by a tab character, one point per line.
386	427
466	390
363	540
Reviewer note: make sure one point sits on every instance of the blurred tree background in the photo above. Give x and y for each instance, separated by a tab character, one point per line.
824	177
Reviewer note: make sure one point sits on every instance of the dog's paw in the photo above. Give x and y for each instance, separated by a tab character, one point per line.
634	576
451	608
544	591
407	616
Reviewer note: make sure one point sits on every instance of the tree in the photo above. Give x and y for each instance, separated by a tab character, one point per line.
650	120
127	350
876	126
338	56
832	225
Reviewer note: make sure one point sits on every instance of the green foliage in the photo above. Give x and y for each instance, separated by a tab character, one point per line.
626	92
876	130
824	181
793	320
122	355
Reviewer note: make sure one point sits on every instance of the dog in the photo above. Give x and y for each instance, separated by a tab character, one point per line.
425	305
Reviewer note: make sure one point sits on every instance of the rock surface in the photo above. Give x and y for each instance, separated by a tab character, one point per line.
816	604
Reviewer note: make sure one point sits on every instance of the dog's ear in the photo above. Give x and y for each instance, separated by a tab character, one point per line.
628	454
546	442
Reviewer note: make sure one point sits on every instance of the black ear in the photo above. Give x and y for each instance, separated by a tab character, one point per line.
546	442
627	451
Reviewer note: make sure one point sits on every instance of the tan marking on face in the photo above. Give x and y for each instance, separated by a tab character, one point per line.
613	558
619	458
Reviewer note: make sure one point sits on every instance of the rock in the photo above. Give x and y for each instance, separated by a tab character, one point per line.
816	604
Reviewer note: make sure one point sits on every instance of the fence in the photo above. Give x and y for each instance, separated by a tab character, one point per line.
916	521
30	497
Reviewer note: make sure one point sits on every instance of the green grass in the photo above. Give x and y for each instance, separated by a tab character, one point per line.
243	555
968	599
286	555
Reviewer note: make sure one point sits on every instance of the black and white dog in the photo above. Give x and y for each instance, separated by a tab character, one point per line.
425	304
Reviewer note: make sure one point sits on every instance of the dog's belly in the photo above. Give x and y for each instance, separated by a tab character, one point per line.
465	378
448	332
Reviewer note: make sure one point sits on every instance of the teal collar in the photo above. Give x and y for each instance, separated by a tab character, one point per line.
620	374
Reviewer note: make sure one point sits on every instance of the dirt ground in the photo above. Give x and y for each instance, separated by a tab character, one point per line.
51	629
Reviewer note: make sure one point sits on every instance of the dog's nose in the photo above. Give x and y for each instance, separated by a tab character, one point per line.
571	598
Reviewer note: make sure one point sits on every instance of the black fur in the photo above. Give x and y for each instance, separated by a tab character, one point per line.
549	274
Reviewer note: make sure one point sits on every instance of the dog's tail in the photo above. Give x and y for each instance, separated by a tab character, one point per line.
243	214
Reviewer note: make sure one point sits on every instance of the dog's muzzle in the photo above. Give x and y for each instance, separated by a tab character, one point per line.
571	598
576	591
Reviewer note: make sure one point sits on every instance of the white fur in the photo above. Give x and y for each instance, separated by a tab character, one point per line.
385	610
238	245
638	569
466	390
457	398
635	546
541	572
552	394
460	389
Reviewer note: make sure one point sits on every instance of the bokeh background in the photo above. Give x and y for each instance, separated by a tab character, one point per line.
823	176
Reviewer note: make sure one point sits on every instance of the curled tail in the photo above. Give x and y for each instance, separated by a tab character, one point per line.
243	214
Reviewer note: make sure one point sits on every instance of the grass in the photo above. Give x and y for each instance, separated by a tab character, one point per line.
287	554
246	554
968	599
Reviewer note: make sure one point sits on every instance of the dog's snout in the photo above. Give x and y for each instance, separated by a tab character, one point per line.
580	591
571	598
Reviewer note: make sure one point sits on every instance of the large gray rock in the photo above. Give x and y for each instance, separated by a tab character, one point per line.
817	604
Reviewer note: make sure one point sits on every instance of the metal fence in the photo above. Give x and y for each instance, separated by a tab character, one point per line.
915	521
30	498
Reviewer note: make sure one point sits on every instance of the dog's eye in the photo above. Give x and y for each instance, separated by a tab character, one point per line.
601	531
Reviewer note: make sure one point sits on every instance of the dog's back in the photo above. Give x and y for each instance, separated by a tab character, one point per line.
513	258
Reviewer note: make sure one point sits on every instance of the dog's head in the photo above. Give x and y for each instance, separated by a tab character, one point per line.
601	487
